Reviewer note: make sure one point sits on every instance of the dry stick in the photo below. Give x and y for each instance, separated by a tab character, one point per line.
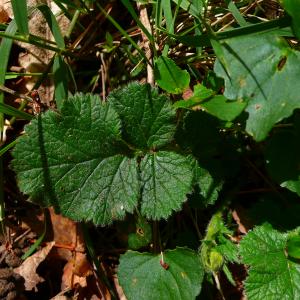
243	12
14	93
147	45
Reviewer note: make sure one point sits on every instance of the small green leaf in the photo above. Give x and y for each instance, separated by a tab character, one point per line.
209	186
272	275
166	179
293	246
147	117
216	260
143	276
200	94
216	105
142	235
71	160
256	64
222	108
227	248
169	76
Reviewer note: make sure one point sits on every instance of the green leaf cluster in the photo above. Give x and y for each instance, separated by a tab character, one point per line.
97	161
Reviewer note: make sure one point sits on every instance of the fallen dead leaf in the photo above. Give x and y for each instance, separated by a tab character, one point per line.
4	17
60	297
119	289
241	227
76	271
28	268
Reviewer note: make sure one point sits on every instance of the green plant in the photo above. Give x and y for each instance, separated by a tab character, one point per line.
155	156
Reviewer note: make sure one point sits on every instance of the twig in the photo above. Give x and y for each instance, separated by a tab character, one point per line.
146	43
14	93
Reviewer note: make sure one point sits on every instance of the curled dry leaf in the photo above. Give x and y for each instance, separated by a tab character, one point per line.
28	268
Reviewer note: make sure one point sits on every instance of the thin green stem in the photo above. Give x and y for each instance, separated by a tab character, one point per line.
73	23
4	149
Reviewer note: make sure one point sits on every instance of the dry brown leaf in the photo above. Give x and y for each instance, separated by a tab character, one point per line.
241	225
28	268
4	17
60	297
76	271
119	289
6	6
67	236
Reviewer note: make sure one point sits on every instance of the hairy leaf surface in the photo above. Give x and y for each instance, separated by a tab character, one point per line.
142	276
147	117
72	161
272	275
166	178
261	69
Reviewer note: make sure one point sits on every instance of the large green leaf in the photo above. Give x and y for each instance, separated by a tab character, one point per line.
169	76
148	118
70	160
261	69
272	275
143	277
166	178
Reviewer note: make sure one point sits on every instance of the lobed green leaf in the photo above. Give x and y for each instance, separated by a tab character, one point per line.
272	275
71	160
166	179
147	117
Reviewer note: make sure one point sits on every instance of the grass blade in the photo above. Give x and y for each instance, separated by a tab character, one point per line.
37	243
53	25
158	13
11	111
189	7
236	13
60	70
123	32
4	149
21	17
166	7
5	49
61	79
131	10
